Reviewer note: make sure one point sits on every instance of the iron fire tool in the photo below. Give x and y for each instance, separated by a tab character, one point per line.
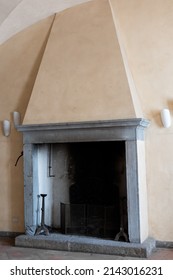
42	229
121	235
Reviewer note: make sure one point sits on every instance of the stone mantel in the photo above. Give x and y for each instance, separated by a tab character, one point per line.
108	130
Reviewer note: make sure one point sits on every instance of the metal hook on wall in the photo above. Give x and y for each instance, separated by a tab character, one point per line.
19	158
50	164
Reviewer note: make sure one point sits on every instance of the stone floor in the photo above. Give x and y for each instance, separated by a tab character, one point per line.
9	252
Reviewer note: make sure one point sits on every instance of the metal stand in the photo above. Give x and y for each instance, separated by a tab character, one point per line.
121	235
42	229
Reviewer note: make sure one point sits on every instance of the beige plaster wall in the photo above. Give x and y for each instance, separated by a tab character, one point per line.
82	75
20	59
147	37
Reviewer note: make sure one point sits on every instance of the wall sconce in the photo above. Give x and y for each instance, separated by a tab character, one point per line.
166	118
6	127
16	118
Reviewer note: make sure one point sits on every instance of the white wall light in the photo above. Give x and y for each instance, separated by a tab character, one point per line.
16	118
6	127
166	118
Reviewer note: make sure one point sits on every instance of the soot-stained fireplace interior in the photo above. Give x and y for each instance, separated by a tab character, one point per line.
97	192
93	174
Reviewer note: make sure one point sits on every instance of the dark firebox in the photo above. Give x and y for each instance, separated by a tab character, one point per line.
97	173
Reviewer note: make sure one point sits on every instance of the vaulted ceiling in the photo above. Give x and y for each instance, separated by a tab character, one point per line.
18	14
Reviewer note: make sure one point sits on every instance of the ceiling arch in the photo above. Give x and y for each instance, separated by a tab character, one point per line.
16	15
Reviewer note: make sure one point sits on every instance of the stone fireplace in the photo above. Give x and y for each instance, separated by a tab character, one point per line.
96	163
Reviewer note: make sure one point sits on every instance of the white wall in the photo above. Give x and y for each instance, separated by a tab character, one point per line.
57	186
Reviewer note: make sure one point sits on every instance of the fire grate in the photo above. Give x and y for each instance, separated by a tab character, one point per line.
89	220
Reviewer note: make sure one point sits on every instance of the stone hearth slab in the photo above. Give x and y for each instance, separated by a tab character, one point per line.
75	243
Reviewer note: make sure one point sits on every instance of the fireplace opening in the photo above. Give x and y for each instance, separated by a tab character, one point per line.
59	160
97	192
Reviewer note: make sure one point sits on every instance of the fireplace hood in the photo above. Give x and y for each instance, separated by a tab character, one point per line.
84	73
84	92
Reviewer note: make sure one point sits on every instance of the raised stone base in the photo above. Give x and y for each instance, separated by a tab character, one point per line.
86	244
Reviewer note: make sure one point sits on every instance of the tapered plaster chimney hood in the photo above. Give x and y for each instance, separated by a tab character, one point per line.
84	74
84	92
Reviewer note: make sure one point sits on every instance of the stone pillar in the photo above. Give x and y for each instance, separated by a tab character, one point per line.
136	193
29	192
